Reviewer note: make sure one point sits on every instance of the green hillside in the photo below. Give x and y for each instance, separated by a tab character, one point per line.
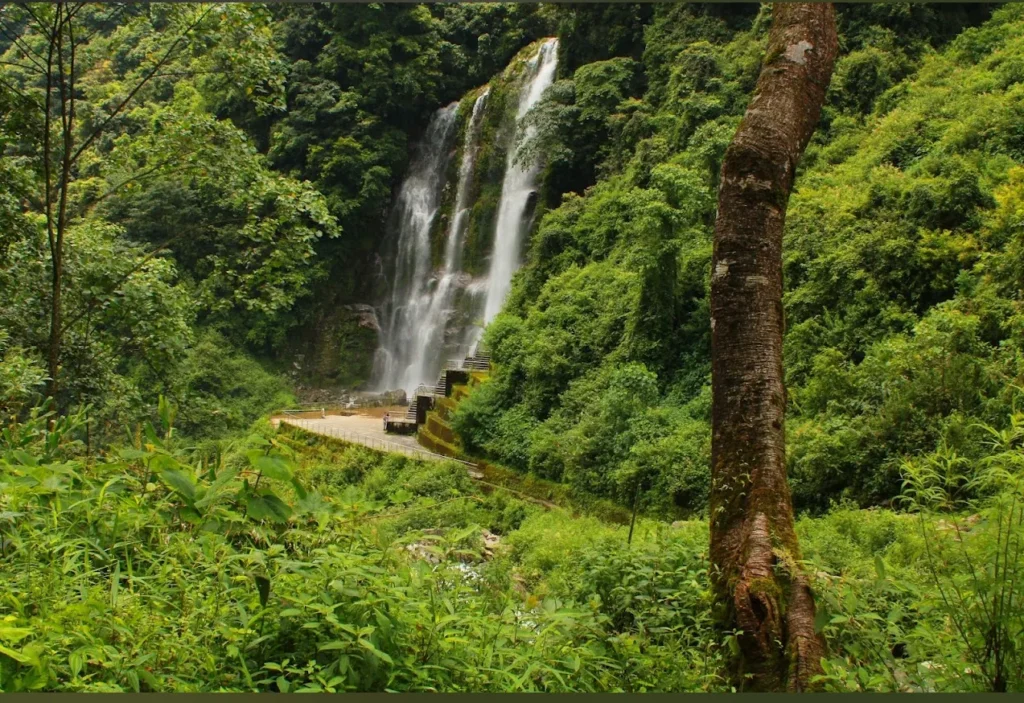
197	207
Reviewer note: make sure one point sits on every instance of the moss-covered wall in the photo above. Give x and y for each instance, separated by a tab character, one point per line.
337	350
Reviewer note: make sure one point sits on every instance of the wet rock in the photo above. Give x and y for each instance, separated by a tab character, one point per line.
397	397
491	543
422	549
419	550
365	315
379	399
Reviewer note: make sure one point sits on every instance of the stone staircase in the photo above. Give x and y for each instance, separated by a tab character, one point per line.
478	361
410	412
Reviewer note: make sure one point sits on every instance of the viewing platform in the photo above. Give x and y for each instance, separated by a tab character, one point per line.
424	399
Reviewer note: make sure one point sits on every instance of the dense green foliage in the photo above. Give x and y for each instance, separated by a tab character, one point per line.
224	217
287	562
900	258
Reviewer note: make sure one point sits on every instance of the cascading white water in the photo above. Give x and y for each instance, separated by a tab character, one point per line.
520	182
433	335
420	322
423	342
415	209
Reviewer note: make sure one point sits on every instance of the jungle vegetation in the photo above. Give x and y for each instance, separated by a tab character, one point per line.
189	195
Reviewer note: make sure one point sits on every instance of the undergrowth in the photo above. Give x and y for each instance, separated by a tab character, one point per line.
288	563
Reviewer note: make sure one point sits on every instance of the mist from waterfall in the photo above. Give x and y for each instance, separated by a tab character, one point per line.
415	210
421	326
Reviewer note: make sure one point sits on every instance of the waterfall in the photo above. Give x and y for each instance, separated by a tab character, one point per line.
415	210
425	316
435	334
519	184
425	338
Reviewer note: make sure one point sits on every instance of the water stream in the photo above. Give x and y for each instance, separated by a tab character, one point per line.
415	209
421	329
520	182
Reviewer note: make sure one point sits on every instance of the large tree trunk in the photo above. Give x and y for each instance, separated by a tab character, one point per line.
753	543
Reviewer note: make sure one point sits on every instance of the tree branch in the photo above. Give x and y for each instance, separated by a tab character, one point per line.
159	64
23	66
29	52
120	282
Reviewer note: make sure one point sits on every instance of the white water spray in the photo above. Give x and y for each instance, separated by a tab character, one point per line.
415	209
519	184
420	318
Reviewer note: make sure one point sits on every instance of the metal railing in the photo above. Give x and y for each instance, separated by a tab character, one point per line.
299	411
372	442
470	363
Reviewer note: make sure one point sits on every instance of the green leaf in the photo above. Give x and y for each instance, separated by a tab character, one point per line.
214	490
151	434
149	680
820	619
24	458
16	656
267	506
257	440
179	483
76	661
13	635
271	466
880	567
734	645
401	496
159	462
167	413
367	645
312	503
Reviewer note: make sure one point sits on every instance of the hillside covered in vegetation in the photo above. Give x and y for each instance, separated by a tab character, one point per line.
198	226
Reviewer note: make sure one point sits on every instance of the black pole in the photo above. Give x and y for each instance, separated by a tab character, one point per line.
632	522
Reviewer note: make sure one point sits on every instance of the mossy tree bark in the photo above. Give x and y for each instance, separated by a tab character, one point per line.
754	548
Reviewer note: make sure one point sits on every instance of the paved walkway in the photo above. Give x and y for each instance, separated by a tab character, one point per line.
369	431
365	430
